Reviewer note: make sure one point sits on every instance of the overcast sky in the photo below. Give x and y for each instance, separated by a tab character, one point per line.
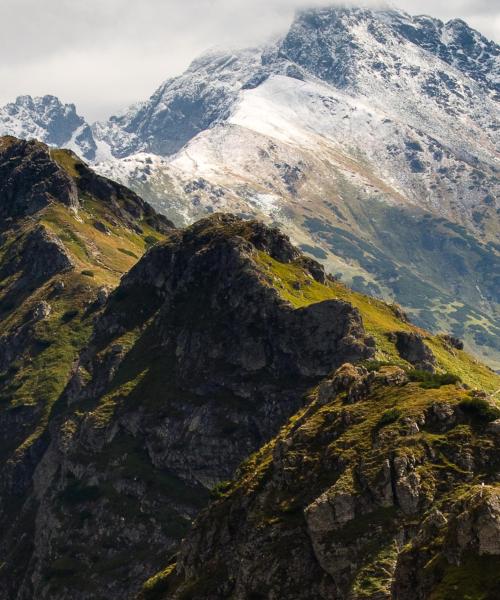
103	55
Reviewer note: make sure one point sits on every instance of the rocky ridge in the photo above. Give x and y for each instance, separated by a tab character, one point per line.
377	489
66	237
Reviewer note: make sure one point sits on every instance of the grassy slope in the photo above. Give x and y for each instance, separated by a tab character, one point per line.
100	259
379	319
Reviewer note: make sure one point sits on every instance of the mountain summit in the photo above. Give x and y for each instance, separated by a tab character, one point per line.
47	119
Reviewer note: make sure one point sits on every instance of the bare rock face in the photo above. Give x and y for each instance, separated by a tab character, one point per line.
470	546
44	255
30	179
476	527
411	347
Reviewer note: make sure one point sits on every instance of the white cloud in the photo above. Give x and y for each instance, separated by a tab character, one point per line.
104	54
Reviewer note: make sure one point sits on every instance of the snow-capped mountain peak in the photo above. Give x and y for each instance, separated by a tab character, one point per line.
46	118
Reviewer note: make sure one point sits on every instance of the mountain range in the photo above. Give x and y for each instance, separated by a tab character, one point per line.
235	325
369	136
205	413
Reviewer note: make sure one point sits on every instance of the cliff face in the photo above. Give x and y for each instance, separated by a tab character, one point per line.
377	489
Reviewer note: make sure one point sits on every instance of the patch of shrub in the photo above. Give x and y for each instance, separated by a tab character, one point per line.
88	273
375	365
220	490
430	381
69	315
389	416
151	240
128	252
481	409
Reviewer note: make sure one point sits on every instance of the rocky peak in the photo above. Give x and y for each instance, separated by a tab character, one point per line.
30	179
47	119
211	293
32	176
330	43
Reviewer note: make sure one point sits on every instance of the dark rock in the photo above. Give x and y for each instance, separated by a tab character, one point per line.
30	179
355	381
100	226
453	342
411	347
43	255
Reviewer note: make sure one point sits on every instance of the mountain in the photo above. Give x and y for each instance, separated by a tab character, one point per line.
369	136
141	365
48	120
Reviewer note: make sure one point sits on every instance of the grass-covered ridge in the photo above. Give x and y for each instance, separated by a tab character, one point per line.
297	287
101	247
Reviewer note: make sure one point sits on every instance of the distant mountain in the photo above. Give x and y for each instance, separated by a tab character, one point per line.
48	120
370	136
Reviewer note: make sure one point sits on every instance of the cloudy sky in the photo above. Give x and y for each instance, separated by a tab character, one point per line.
106	54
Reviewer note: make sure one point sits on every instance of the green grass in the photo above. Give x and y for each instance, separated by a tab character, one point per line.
380	319
389	416
41	379
67	160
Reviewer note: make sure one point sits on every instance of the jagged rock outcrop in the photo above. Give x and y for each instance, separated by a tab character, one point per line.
470	551
411	347
453	342
354	501
30	179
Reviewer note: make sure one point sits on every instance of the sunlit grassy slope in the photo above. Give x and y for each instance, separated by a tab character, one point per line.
380	319
102	249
